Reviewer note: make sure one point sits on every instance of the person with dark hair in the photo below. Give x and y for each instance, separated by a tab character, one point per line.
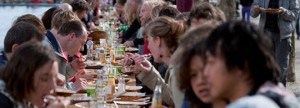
32	19
277	17
18	34
169	11
189	69
120	8
48	16
241	69
204	12
80	7
29	77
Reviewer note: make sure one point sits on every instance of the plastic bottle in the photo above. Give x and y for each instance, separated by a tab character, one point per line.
111	84
157	95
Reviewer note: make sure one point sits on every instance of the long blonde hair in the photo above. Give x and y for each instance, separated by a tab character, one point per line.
130	16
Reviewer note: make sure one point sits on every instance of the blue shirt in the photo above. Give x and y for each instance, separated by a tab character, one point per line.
3	59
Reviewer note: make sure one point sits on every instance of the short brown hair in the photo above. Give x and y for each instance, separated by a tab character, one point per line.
166	28
156	10
62	17
169	11
72	26
80	5
48	16
32	19
121	2
206	11
18	74
19	33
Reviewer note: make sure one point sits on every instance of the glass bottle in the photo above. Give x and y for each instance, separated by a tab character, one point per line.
89	44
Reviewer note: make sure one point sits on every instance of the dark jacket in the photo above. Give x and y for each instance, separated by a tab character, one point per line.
129	33
246	2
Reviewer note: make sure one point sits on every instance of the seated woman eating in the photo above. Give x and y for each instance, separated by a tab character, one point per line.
162	34
29	77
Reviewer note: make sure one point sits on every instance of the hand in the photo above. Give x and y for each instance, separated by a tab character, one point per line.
80	84
277	11
128	59
142	63
60	80
78	64
280	10
256	8
129	43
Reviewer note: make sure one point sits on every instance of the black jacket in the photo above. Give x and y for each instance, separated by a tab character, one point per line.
129	33
246	2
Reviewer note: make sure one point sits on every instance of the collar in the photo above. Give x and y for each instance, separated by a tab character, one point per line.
54	42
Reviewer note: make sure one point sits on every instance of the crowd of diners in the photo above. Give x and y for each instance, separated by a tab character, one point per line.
201	59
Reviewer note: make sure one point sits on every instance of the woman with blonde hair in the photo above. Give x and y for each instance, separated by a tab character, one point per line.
131	10
144	17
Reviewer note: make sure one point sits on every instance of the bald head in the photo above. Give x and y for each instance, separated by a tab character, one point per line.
66	6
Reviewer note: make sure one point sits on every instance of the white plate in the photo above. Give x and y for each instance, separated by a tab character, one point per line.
131	49
134	87
80	97
63	90
130	103
93	63
134	94
82	105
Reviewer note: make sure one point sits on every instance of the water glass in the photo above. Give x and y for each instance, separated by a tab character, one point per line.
102	42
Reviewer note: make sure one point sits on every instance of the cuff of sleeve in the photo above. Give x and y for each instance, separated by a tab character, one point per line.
284	12
74	79
70	71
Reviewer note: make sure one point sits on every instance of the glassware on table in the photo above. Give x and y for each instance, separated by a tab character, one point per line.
90	91
121	84
108	59
103	42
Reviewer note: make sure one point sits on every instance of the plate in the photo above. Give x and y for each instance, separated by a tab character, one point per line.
64	92
130	103
83	105
134	94
133	88
80	98
131	49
